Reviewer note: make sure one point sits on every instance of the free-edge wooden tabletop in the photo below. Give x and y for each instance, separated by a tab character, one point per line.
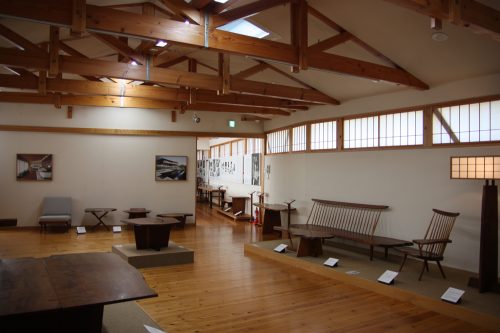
67	281
151	221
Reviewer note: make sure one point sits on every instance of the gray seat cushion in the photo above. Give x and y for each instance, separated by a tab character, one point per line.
61	218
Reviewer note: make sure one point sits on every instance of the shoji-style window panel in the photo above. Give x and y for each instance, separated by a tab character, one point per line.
324	135
361	132
299	137
278	142
214	152
254	146
475	122
402	129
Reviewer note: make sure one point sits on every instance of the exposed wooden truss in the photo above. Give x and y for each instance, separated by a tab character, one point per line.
219	92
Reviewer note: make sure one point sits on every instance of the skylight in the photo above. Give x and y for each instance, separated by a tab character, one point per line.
244	27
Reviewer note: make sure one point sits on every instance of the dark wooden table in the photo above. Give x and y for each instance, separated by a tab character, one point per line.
181	217
135	213
99	213
213	192
65	293
272	216
151	233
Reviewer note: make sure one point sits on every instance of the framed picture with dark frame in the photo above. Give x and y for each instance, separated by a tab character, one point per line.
170	167
34	167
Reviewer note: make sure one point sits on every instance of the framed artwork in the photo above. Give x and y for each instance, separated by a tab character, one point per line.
170	167
37	167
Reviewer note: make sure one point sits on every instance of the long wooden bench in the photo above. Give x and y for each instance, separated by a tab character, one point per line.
333	219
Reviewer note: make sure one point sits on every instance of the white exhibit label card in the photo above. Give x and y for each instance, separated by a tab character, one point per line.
81	230
281	248
388	277
452	295
153	330
117	228
332	262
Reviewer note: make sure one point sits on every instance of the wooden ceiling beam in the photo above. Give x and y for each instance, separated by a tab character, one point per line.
261	66
364	69
54	66
236	109
120	47
72	52
224	73
80	100
247	117
19	41
331	42
465	13
245	11
78	23
166	58
248	100
185	10
174	62
280	91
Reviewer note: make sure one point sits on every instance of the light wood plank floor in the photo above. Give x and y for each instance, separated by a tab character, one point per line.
225	291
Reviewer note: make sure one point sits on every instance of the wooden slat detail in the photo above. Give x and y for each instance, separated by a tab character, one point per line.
251	71
120	47
364	69
20	41
245	11
79	17
331	42
185	10
236	109
276	90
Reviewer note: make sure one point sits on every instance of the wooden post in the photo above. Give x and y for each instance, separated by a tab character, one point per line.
69	112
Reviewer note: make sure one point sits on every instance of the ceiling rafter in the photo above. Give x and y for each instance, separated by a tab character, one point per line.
153	28
19	41
465	13
72	52
121	47
184	10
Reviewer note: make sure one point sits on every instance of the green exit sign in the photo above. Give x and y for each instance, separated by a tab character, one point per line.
231	123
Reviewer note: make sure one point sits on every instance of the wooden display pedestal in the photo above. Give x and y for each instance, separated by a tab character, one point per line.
237	204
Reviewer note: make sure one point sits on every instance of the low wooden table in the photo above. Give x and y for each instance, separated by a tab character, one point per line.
134	213
65	293
211	192
181	217
99	213
151	233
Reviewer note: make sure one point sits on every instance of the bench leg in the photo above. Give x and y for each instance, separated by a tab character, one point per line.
309	247
371	252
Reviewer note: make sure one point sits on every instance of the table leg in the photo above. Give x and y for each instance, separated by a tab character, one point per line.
99	218
272	218
310	247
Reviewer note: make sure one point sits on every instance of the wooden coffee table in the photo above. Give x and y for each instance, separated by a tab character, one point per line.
65	293
151	233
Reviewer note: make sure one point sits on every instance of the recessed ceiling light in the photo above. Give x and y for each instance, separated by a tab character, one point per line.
186	21
221	1
161	43
133	63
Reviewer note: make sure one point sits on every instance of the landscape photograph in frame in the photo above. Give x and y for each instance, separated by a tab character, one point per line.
170	167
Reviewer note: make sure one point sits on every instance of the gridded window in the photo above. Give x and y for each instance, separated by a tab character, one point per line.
225	150
278	142
467	123
201	155
324	135
214	152
361	132
299	136
254	146
402	129
234	148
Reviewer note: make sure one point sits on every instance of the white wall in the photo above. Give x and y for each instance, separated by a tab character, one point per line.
411	182
96	171
100	170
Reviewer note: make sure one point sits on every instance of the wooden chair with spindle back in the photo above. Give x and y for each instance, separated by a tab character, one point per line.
432	247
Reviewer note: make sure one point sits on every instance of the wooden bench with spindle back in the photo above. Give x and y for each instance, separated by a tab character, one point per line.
334	219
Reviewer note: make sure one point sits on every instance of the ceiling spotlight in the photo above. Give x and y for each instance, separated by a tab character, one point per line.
196	119
186	21
161	43
133	63
439	36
